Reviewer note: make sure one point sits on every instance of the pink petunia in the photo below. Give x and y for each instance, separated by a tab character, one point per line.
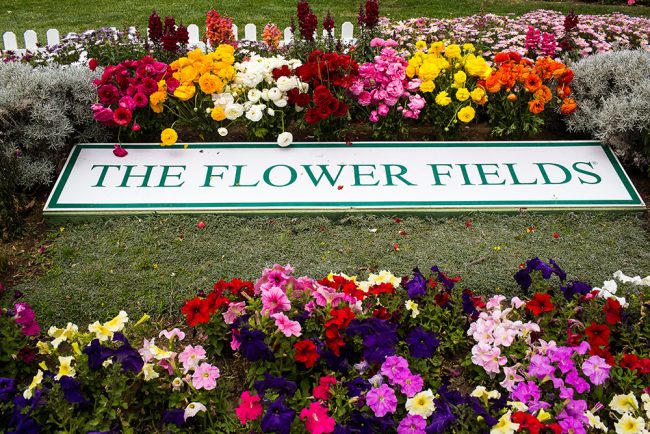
205	376
382	400
597	369
274	300
250	407
316	419
191	356
287	326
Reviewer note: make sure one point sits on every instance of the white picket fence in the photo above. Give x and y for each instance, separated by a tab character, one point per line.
53	37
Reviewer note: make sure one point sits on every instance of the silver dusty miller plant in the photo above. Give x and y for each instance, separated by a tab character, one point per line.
612	91
43	112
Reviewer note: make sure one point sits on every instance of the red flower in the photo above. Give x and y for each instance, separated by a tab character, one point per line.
441	299
598	335
238	286
381	312
340	317
540	303
302	100
122	116
629	361
382	288
612	309
215	300
527	421
311	116
92	64
604	353
322	391
197	311
306	353
322	95
284	71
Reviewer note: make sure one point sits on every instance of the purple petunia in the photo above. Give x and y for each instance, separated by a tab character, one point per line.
381	400
417	286
422	344
278	418
252	345
412	424
597	369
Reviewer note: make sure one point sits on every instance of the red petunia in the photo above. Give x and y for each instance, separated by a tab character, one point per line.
540	303
612	309
604	353
215	300
381	312
527	421
441	299
598	335
197	311
306	353
382	288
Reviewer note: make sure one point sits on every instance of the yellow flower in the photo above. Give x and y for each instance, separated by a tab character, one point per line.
76	349
428	71
477	95
624	403
543	416
466	114
142	319
27	394
157	108
210	84
452	52
518	405
468	48
594	421
442	99
168	137
421	404
43	347
413	307
410	70
157	98
420	45
460	78
477	67
436	48
149	372
482	393
462	94
629	425
158	353
218	114
505	426
427	86
65	368
185	92
117	323
62	335
101	332
384	277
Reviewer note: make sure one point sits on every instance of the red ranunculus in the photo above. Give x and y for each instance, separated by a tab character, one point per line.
306	353
322	95
540	303
92	64
598	335
341	110
197	311
612	309
311	116
122	116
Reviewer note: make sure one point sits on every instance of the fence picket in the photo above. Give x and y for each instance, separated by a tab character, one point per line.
10	41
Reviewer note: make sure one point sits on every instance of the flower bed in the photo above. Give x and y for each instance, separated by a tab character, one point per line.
413	354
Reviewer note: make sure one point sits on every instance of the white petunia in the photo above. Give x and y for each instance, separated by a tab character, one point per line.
193	408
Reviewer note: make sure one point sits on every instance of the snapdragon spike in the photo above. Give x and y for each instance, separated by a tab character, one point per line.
155	28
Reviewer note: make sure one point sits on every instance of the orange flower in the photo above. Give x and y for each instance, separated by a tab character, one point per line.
543	94
492	84
568	106
563	75
512	97
501	57
532	83
535	106
563	91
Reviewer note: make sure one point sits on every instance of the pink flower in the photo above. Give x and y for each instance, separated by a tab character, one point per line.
103	114
517	302
235	310
488	357
127	102
412	424
495	302
597	369
173	333
631	2
416	102
234	343
322	391
383	110
250	407
373	116
411	384
395	368
191	356
205	376
364	98
316	419
119	151
140	100
287	326
511	378
381	400
274	300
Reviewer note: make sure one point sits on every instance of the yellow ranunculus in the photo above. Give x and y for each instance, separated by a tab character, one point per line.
477	95
469	48
168	137
410	71
452	52
477	67
442	99
462	94
427	86
420	45
185	92
437	47
156	108
460	78
157	98
218	114
466	114
188	75
210	84
428	71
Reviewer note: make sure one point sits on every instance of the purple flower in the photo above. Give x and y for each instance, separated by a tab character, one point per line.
441	419
379	338
540	366
575	380
412	424
382	400
597	369
278	418
72	390
129	358
411	384
357	386
97	354
7	389
422	344
278	384
177	417
562	356
575	287
394	368
526	391
252	345
417	286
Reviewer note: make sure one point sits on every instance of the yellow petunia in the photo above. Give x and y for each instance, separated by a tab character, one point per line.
168	137
27	394
101	332
65	368
117	323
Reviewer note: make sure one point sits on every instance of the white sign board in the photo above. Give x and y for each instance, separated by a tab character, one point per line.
406	176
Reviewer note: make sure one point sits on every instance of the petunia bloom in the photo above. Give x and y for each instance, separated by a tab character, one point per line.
250	407
381	400
316	419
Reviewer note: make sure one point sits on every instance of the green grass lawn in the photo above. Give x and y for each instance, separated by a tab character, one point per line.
151	264
77	15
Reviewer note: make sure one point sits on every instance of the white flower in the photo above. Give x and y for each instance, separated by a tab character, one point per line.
222	99
624	403
149	372
193	408
285	84
285	139
254	95
275	94
223	132
413	307
421	404
27	394
177	383
280	102
233	111
595	422
270	111
254	114
265	94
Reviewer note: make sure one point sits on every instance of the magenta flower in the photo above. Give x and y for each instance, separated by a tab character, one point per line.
287	326
411	384
412	424
274	300
250	407
395	368
597	369
381	400
316	419
205	376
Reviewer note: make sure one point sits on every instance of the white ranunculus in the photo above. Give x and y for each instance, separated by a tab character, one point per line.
285	84
254	95
233	111
275	94
270	111
285	139
254	114
265	94
223	132
303	87
222	99
280	102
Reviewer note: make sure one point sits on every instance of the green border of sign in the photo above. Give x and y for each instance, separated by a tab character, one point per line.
52	206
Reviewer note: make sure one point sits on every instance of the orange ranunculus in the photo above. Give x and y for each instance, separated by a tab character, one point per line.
492	84
532	83
535	106
501	57
563	91
543	94
512	97
568	106
563	75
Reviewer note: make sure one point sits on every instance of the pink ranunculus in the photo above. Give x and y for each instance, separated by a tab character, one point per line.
103	114
127	102
250	407
140	100
119	151
122	116
383	110
172	84
364	98
135	127
205	376
373	116
108	94
416	102
377	42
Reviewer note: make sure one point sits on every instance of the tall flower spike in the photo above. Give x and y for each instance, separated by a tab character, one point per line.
155	28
